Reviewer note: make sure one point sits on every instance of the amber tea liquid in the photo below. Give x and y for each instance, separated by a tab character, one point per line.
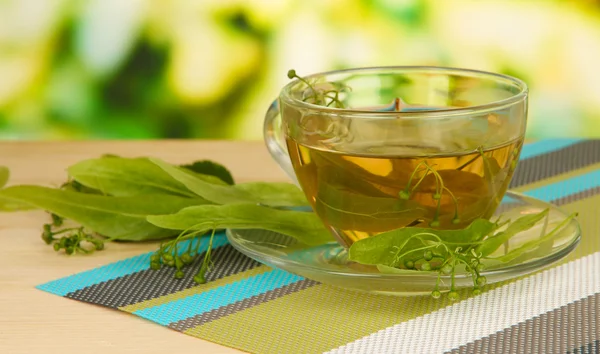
363	194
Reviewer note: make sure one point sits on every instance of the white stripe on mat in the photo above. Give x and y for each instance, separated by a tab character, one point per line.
480	316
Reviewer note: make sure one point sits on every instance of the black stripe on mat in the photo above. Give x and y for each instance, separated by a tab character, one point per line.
149	284
571	198
574	325
570	158
568	199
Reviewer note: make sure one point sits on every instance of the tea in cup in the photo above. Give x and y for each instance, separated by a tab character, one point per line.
377	149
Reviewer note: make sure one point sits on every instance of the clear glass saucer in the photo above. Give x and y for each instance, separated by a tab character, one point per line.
328	263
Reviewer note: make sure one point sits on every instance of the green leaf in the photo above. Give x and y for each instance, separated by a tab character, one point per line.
207	167
10	205
479	229
220	194
4	175
533	245
351	210
306	227
120	218
385	248
491	244
126	177
492	170
274	194
495	177
75	186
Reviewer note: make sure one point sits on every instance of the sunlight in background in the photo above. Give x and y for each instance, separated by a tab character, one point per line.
209	69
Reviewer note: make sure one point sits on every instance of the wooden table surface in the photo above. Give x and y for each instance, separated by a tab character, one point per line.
33	321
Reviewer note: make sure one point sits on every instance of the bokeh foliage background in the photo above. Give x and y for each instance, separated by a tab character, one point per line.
95	69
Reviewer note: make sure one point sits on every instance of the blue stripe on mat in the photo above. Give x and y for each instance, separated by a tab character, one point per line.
115	270
545	146
567	187
193	305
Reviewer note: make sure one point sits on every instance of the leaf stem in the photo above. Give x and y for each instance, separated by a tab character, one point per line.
416	170
206	263
455	202
419	181
468	163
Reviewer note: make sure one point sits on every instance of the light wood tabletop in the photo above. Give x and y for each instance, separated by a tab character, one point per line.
32	321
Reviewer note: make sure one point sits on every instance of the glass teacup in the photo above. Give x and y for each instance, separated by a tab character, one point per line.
376	149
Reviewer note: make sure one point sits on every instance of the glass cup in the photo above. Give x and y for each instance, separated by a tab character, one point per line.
376	149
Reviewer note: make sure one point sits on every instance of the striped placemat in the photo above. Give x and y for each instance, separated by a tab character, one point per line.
258	309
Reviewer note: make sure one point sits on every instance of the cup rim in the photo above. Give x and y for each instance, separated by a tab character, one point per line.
482	108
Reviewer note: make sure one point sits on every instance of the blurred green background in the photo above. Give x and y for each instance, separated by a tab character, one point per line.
139	69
